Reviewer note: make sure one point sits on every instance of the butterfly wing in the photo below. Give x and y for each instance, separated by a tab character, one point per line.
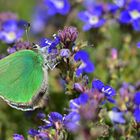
21	78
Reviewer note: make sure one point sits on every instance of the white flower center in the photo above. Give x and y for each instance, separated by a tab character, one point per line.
93	20
83	65
135	14
10	36
58	3
106	91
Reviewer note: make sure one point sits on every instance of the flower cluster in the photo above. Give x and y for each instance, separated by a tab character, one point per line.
131	14
93	17
11	29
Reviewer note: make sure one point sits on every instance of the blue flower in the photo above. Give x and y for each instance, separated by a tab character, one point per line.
11	32
97	84
137	98
55	121
71	121
89	3
41	115
120	3
77	102
55	117
132	15
50	44
92	18
108	91
137	108
116	116
33	132
65	53
39	19
111	7
138	44
137	114
87	66
18	137
57	6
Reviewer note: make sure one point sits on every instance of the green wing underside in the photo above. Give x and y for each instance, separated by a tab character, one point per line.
21	76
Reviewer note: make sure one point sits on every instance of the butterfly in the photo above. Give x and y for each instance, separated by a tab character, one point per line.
24	78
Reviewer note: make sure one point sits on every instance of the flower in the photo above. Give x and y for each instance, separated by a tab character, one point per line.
5	16
18	137
108	91
20	45
71	121
137	108
114	53
41	115
116	116
55	120
33	132
11	32
120	3
86	66
137	114
137	98
138	44
39	19
131	15
57	6
65	53
50	44
92	18
77	102
111	7
68	35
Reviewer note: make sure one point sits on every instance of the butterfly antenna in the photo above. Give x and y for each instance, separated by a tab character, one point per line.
27	27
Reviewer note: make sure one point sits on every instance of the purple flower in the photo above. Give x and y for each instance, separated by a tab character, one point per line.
33	132
11	32
108	91
71	121
68	36
65	53
18	137
92	18
114	53
19	46
87	66
43	136
57	6
132	15
116	116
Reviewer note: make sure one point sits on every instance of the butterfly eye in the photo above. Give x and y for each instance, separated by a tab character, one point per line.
35	46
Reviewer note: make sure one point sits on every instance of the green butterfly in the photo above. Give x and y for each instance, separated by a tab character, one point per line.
24	79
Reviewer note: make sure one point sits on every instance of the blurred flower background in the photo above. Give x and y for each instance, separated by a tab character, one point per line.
94	91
